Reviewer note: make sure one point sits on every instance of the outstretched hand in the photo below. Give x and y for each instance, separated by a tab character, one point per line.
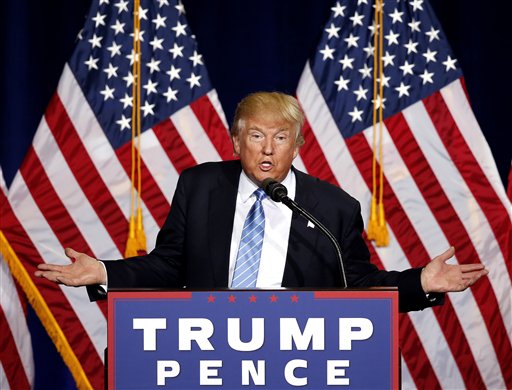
438	276
84	270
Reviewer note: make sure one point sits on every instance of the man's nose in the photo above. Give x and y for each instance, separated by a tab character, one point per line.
268	146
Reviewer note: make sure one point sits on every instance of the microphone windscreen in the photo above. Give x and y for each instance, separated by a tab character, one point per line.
275	190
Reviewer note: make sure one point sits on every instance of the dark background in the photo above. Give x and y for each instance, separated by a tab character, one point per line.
246	46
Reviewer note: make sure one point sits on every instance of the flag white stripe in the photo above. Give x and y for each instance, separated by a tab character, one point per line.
4	383
98	147
460	109
299	164
159	165
51	251
435	242
479	339
3	186
437	349
475	222
407	381
70	193
15	316
194	136
215	102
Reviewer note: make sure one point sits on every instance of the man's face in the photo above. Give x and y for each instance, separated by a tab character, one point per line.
266	147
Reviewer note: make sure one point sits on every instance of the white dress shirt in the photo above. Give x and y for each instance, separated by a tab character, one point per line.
278	219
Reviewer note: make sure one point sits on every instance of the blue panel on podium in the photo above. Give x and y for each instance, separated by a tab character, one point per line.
271	339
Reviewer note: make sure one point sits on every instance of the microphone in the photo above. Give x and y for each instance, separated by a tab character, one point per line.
278	193
275	190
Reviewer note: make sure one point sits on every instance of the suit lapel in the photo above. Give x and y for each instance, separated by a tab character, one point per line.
220	220
303	239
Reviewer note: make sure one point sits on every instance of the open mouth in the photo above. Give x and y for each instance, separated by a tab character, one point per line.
266	166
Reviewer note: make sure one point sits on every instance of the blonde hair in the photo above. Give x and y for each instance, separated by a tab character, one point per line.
279	104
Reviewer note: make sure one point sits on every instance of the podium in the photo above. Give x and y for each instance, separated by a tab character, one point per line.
268	339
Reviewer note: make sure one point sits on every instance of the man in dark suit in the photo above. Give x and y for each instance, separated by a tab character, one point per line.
199	242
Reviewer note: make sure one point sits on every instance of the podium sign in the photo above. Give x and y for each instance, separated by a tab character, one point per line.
272	339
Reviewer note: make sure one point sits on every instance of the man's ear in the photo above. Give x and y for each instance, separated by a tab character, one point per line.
236	144
296	152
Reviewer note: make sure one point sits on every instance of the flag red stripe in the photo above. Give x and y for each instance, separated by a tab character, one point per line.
52	208
85	173
56	301
151	194
411	347
10	357
463	84
417	255
461	155
173	145
213	126
313	157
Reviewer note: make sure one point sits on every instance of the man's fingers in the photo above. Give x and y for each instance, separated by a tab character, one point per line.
82	270
58	277
54	273
50	267
50	275
439	276
465	268
474	275
447	254
70	252
43	267
470	278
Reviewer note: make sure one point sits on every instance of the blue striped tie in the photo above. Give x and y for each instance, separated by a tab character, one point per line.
249	251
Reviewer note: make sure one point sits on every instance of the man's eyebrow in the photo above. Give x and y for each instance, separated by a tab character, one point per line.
260	129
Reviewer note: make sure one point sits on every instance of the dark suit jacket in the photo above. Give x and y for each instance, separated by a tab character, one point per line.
192	248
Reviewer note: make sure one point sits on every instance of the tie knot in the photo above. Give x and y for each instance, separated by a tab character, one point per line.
260	194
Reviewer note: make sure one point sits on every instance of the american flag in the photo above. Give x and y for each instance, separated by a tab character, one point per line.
16	360
441	184
73	188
